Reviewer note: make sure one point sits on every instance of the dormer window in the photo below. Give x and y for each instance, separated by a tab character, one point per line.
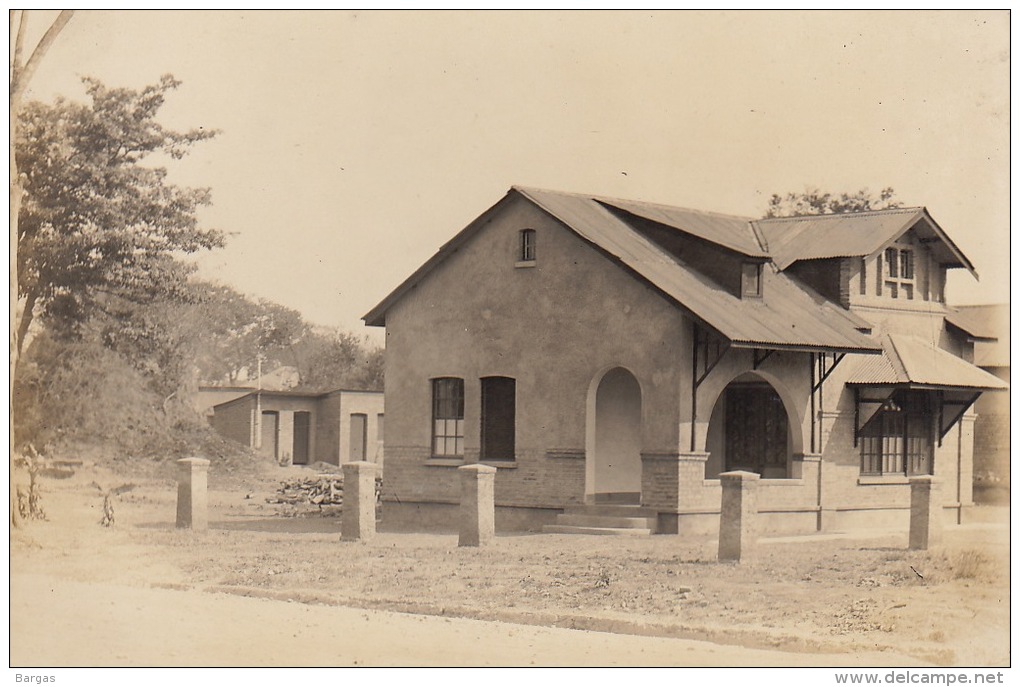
526	246
899	279
750	280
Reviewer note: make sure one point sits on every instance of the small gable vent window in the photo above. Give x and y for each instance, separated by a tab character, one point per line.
750	280
526	246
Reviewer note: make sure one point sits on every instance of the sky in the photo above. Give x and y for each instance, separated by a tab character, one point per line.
353	145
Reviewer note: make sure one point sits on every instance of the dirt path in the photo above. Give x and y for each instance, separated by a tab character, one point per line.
65	623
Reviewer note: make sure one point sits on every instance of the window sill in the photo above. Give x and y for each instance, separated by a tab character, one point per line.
882	479
445	462
500	463
525	263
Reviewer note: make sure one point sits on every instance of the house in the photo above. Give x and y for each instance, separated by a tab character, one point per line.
301	428
603	351
990	324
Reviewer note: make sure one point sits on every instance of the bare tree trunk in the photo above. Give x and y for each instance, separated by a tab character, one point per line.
20	75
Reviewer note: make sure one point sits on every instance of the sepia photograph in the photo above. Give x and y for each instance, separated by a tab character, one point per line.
510	339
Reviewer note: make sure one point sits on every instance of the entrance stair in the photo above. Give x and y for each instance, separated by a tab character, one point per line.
613	519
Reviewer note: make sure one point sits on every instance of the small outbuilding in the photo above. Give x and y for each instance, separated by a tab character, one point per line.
300	428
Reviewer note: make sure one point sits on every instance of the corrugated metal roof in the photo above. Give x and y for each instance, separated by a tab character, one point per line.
831	236
729	231
908	361
988	321
788	315
972	322
852	234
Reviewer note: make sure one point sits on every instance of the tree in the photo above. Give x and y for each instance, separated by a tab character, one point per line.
814	202
338	359
94	220
238	330
20	74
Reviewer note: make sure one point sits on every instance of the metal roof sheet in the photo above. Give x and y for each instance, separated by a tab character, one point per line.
908	361
852	234
788	315
991	323
728	231
831	236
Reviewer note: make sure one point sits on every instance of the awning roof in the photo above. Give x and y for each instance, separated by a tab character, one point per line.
910	362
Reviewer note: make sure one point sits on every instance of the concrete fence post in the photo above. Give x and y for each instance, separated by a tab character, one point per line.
738	527
477	505
192	494
925	512
357	521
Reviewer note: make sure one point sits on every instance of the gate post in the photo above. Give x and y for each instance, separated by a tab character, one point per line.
925	512
738	514
357	519
477	505
192	496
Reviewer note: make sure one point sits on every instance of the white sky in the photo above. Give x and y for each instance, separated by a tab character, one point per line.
354	145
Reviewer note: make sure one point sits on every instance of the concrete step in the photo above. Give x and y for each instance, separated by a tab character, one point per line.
587	520
630	498
618	511
620	531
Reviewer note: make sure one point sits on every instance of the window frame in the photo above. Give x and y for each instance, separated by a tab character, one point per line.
901	272
447	408
899	439
491	389
526	246
751	280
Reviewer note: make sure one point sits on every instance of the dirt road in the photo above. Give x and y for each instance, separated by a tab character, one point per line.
66	623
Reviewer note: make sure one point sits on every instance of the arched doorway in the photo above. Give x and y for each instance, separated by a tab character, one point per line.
614	438
749	430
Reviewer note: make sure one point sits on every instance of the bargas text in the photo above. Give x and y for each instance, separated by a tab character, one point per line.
37	679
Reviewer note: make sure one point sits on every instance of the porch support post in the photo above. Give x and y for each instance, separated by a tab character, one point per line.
738	527
925	512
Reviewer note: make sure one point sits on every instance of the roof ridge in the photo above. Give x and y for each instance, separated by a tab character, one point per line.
598	197
897	359
839	215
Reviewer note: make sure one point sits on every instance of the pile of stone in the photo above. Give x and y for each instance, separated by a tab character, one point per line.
321	490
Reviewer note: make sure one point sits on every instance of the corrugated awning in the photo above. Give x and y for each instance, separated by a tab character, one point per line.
912	363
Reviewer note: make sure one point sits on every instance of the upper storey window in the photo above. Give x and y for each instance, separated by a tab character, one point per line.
750	280
899	277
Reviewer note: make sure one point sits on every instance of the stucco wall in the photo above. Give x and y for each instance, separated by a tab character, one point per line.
233	420
366	403
556	328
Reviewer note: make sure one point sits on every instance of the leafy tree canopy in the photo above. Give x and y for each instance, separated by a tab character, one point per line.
95	219
813	201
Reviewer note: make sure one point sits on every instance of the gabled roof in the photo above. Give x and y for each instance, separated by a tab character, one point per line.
729	231
789	315
853	234
910	362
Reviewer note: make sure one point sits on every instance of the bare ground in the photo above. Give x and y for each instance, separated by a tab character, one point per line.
861	595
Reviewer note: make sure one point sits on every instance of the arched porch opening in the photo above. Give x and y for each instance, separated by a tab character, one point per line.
750	429
613	438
